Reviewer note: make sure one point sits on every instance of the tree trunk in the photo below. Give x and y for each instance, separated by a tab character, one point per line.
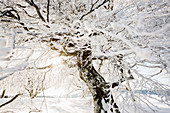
99	88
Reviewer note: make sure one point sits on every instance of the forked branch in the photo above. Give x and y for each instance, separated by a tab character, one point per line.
92	9
9	13
37	9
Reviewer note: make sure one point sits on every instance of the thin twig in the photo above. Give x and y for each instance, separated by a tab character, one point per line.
93	9
3	3
48	6
3	93
37	9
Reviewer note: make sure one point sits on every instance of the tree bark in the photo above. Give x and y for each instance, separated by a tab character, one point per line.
99	88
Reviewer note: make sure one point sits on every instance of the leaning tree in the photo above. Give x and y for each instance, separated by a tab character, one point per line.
118	47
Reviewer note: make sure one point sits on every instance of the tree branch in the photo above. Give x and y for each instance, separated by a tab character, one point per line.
121	81
10	100
37	9
3	93
93	9
10	14
48	6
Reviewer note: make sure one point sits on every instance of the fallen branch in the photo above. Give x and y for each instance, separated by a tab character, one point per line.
10	100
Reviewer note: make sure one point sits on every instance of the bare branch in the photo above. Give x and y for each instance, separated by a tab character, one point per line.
3	93
22	7
121	81
37	9
48	6
93	9
8	102
9	13
3	3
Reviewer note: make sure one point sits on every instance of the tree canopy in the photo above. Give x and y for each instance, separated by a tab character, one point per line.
121	46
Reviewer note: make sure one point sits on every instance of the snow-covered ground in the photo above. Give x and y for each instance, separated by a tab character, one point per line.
48	105
53	102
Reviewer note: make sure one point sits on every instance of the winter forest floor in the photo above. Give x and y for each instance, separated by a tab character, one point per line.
54	103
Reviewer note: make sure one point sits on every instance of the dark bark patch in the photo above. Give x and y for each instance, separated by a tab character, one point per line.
111	110
115	105
115	84
117	111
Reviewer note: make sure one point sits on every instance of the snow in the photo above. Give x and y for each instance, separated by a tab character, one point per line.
130	21
2	42
53	102
4	52
59	104
105	106
143	53
54	105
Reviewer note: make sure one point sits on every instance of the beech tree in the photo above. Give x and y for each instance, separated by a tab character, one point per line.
118	48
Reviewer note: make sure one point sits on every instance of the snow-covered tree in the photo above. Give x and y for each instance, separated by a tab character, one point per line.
117	48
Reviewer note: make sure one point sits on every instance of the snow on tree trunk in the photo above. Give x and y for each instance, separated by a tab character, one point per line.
99	88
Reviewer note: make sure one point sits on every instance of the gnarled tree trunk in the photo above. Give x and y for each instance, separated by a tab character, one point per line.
99	88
